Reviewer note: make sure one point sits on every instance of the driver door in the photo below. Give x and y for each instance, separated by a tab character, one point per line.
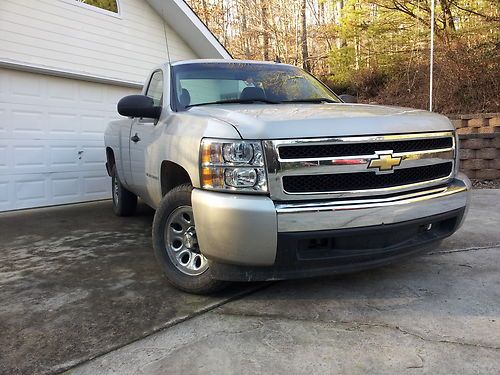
142	135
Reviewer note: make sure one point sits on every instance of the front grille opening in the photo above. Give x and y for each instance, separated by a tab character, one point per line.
353	149
351	243
364	180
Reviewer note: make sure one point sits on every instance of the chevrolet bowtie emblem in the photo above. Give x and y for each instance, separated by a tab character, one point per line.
385	161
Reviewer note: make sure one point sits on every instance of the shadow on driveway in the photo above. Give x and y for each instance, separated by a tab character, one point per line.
77	281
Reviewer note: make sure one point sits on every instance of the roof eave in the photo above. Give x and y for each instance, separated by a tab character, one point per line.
178	15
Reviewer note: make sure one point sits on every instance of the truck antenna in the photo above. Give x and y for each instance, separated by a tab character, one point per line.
166	41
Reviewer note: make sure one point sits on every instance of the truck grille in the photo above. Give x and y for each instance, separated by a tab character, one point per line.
352	149
364	181
358	166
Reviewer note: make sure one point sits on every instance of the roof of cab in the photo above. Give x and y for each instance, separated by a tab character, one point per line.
222	61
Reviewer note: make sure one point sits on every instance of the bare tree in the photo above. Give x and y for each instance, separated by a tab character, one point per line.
303	35
265	31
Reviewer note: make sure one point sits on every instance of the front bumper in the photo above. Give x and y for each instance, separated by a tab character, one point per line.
248	237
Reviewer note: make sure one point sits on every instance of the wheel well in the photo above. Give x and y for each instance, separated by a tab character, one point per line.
172	175
110	159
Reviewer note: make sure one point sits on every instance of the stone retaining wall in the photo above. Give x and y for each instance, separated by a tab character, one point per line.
479	145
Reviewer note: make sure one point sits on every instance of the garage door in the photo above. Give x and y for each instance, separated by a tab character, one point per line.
51	139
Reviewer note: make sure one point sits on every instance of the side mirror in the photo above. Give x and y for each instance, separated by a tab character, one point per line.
138	106
348	98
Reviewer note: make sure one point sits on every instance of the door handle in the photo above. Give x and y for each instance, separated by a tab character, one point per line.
135	138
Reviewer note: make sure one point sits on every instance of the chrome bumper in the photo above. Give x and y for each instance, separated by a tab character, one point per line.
352	213
243	229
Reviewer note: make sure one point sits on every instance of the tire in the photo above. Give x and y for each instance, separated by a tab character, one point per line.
124	202
176	247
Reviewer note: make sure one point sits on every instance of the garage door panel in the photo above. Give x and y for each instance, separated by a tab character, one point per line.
3	123
29	157
36	190
4	81
3	158
63	125
92	124
58	123
65	187
51	139
26	122
89	94
65	91
97	186
4	194
93	156
19	157
64	157
26	87
31	189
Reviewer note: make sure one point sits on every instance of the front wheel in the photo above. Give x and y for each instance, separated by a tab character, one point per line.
176	245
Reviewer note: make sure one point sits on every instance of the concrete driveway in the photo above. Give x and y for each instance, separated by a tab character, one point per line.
77	281
81	283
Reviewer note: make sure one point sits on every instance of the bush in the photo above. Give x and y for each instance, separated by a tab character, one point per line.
465	80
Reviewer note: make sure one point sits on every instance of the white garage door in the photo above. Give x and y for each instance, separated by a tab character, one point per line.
51	139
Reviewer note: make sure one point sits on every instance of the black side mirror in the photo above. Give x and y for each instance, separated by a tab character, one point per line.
138	106
348	98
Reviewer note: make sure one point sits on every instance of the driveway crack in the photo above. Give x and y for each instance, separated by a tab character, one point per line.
473	248
353	325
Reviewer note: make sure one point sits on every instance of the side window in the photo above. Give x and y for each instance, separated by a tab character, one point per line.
155	88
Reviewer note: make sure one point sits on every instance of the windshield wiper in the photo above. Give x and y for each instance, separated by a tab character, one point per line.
237	101
311	100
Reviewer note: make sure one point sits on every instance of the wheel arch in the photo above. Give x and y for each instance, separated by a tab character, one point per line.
172	175
110	160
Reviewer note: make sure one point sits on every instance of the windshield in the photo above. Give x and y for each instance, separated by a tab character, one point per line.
214	83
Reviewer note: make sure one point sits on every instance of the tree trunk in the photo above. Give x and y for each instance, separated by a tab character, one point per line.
205	12
303	36
341	42
449	23
265	33
244	33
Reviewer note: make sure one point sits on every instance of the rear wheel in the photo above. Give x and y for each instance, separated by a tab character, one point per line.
176	245
124	201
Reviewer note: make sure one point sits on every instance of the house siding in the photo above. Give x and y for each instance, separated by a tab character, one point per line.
60	34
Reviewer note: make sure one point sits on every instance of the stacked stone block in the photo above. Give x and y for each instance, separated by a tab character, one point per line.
479	145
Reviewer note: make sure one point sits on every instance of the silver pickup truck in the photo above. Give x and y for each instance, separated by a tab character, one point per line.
257	171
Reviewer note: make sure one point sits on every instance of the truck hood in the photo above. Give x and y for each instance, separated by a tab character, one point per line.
281	121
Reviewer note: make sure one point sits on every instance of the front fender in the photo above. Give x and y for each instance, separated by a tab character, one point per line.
180	140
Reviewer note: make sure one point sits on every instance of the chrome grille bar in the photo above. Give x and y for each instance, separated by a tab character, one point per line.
278	167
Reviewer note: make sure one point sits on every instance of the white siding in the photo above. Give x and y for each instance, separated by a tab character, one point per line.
63	35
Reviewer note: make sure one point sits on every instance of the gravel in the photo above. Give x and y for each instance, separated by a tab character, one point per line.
485	184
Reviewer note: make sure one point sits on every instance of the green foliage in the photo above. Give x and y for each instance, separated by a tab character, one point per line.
342	62
382	53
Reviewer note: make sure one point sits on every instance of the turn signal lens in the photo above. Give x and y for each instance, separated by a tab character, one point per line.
211	153
212	178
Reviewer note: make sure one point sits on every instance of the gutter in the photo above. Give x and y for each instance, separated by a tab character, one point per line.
81	76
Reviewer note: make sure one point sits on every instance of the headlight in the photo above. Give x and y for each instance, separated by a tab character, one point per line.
232	165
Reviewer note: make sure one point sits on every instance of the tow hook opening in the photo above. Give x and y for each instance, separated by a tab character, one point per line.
425	227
